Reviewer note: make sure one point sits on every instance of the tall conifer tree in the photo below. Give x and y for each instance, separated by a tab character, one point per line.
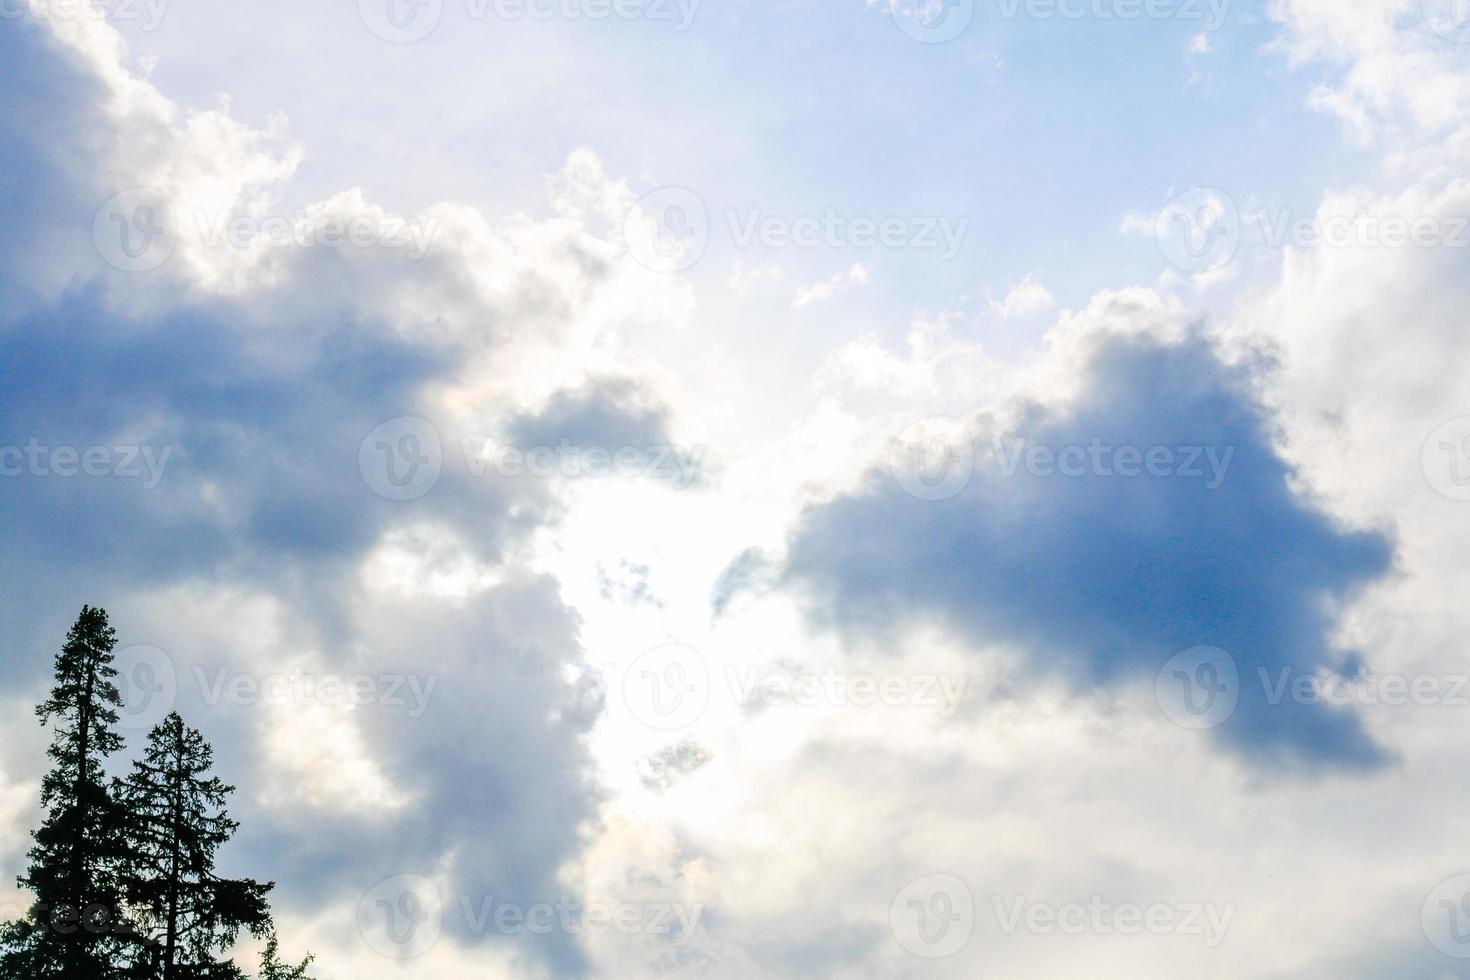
123	874
74	929
186	914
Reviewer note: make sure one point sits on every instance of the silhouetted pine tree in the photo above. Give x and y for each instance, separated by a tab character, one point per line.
74	929
186	914
271	967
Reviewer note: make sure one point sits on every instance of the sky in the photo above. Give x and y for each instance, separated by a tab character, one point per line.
716	488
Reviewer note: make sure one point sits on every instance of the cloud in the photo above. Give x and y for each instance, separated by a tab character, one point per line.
264	549
612	426
1200	45
1395	75
1102	578
823	291
608	412
744	278
750	570
47	201
263	546
674	763
1026	298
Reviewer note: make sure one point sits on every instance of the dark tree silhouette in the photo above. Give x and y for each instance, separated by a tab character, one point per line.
271	967
186	915
74	929
123	874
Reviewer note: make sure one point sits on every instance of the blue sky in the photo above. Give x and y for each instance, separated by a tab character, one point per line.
1088	550
793	108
